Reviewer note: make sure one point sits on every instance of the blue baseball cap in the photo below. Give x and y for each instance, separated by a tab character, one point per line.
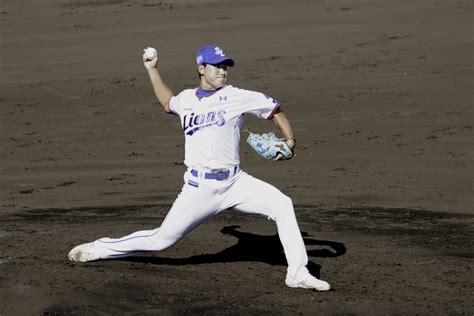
213	55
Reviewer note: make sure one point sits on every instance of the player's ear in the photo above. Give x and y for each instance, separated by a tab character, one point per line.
200	69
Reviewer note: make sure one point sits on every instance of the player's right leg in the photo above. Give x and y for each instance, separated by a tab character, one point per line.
191	208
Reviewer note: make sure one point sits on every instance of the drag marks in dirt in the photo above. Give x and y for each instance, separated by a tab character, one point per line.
418	139
450	131
84	6
4	259
58	185
383	40
85	214
284	68
370	55
32	188
62	94
122	179
90	3
397	139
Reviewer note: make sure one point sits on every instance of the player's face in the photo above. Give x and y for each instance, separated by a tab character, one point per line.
213	76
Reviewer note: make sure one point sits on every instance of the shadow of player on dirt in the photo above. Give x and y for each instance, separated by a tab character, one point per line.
252	247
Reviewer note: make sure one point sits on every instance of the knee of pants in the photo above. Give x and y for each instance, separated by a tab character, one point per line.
286	202
163	240
284	207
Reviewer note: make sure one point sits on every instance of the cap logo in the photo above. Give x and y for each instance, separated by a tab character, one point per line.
219	51
213	55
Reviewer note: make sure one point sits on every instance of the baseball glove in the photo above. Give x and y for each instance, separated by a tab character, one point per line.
269	146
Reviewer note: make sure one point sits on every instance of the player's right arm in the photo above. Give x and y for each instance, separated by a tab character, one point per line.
162	92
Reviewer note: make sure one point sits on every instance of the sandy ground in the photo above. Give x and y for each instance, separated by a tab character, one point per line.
380	97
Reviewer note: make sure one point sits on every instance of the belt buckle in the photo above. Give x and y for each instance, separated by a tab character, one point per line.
221	175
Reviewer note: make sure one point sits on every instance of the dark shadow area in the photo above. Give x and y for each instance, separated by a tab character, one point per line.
253	247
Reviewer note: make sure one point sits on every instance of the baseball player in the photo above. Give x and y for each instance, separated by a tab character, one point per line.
211	117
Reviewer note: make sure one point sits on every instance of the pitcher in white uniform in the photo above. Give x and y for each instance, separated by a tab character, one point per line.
211	117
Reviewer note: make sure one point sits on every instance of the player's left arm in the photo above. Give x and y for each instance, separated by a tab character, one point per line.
283	124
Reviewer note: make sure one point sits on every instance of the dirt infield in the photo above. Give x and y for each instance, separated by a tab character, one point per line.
380	97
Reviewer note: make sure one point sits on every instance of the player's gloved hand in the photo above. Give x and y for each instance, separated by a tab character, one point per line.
291	143
269	146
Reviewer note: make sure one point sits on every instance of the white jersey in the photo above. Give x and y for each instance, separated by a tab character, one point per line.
211	125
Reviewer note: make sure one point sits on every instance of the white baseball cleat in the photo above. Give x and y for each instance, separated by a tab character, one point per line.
83	253
309	282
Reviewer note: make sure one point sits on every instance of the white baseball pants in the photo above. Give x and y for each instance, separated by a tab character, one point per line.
201	199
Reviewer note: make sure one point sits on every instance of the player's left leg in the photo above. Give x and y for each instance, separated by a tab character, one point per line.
253	196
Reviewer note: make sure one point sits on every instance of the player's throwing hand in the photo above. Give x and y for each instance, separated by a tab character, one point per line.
150	58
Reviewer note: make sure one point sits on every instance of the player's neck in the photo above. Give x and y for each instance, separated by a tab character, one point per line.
208	87
202	93
209	90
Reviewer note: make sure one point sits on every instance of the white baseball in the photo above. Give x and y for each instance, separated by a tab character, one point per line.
149	53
